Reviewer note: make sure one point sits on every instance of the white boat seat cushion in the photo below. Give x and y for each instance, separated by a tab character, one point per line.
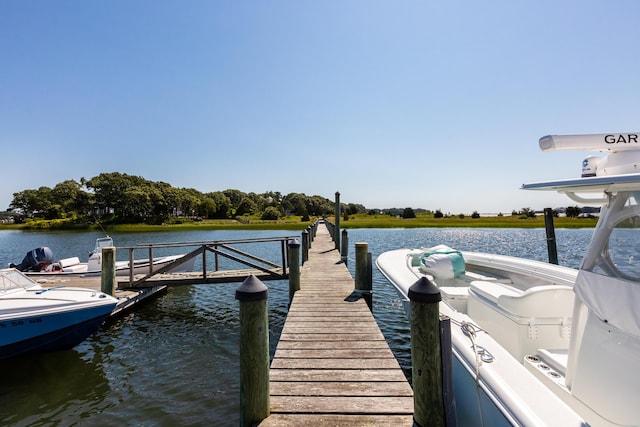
540	301
535	302
492	290
68	262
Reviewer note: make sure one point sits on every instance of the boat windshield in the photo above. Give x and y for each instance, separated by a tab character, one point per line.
615	247
103	242
12	279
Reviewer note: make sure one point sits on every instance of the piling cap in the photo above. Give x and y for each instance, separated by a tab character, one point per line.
294	242
424	291
252	289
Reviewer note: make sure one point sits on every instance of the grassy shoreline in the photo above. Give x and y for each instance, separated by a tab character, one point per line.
295	223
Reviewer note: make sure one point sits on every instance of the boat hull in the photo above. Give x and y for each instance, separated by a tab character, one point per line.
35	319
52	332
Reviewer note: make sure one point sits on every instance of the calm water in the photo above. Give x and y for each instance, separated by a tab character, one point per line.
174	360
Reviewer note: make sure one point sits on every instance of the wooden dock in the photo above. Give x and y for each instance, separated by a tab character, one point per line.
198	278
332	365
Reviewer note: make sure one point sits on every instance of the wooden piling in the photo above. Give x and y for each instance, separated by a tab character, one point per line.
108	270
344	252
426	359
552	248
363	282
294	268
254	351
305	246
336	231
362	249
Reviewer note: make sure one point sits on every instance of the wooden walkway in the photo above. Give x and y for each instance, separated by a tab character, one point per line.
198	278
332	365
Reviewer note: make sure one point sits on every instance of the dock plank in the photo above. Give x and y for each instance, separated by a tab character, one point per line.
320	361
305	420
329	352
343	404
353	388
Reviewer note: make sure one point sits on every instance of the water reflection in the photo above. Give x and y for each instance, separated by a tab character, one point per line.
39	389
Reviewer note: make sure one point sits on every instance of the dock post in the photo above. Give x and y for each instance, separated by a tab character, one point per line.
204	264
336	231
552	249
131	262
426	358
254	351
363	285
150	260
305	246
108	271
344	252
294	268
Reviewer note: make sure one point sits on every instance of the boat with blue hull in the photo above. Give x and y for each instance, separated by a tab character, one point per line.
36	319
537	344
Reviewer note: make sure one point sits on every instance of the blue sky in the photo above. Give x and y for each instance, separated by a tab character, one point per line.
423	104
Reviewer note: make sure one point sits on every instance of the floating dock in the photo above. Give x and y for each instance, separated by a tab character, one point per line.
332	365
127	298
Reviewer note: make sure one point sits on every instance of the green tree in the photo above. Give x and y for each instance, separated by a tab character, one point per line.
33	203
408	213
527	213
71	199
234	197
246	207
573	211
295	204
270	213
222	205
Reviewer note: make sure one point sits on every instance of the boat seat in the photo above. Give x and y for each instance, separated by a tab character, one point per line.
535	302
68	262
472	275
540	302
492	291
523	321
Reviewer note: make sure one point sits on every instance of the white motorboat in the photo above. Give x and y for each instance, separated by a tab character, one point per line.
540	344
36	319
39	263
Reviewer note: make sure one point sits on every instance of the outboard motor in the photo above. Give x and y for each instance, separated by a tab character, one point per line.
35	260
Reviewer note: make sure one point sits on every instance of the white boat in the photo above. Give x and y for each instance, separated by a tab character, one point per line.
36	319
39	263
537	344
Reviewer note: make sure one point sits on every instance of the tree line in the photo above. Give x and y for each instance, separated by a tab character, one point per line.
120	198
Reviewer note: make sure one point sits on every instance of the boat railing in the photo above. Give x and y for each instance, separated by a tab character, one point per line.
219	248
